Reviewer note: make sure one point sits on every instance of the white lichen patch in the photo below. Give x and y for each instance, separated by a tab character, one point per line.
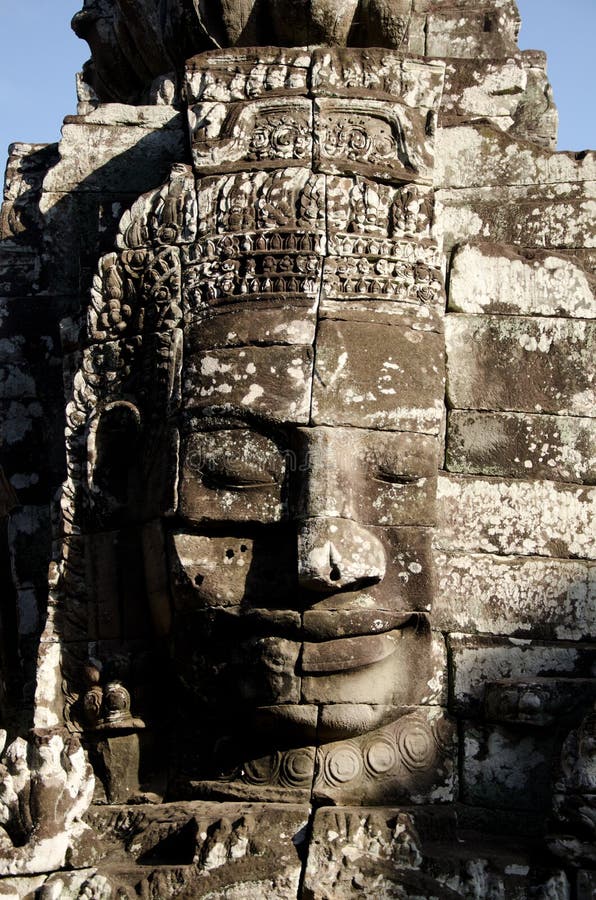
254	392
511	595
530	518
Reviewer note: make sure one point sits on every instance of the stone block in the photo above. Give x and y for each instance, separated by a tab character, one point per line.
383	312
117	148
224	572
520	445
163	217
29	541
31	364
209	848
560	218
29	456
531	518
537	118
538	702
506	768
370	477
412	760
282	776
261	572
117	603
266	207
245	659
377	73
500	279
476	156
260	670
372	376
16	384
360	851
79	227
115	758
267	321
275	381
134	292
355	280
20	269
225	76
21	224
261	134
24	888
373	138
473	33
477	660
233	474
414	852
408	583
494	94
551	358
27	612
586	885
26	167
523	597
366	218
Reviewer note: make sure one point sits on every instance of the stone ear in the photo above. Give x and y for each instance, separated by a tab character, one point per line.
113	447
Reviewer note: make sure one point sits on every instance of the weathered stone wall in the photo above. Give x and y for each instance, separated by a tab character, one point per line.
517	587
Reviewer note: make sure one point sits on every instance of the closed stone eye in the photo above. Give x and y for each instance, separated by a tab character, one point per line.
390	477
236	475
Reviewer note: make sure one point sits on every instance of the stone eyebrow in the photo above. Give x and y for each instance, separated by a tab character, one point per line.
219	419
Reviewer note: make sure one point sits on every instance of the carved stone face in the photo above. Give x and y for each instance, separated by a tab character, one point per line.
295	263
304	557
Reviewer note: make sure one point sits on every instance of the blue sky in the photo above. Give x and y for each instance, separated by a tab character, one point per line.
39	56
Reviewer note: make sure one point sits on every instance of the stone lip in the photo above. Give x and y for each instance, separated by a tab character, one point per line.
317	627
345	654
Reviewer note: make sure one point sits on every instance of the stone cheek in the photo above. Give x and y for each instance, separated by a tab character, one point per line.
241	571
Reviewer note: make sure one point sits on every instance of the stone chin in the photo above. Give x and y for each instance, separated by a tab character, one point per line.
292	693
297	725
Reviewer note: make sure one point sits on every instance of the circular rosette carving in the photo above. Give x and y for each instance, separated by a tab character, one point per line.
343	764
357	141
297	768
264	770
384	145
380	755
415	744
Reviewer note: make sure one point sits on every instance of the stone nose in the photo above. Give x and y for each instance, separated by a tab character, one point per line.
334	554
